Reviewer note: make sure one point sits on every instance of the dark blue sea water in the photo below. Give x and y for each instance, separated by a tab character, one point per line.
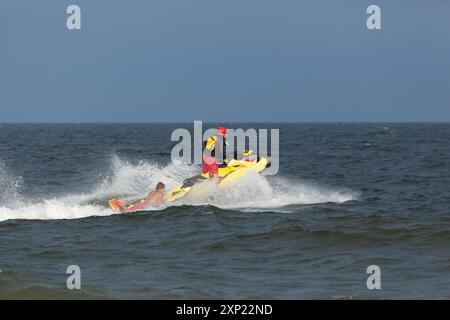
347	196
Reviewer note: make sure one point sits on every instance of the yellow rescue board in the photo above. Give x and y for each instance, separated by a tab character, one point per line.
176	193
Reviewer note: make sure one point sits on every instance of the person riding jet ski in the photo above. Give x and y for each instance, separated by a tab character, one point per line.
228	171
210	165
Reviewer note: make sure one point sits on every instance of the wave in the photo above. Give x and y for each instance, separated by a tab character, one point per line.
133	181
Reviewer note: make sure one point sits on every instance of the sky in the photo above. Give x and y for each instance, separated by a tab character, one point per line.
224	61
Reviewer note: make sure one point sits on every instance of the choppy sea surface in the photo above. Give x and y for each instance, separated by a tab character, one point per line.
347	196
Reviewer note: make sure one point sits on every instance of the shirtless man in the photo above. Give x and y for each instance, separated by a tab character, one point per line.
153	198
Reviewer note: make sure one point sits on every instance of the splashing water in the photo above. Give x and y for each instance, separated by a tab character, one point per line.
10	186
133	181
254	191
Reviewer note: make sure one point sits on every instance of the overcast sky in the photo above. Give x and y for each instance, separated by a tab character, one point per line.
224	60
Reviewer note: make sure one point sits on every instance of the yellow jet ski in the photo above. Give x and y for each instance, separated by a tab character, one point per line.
232	172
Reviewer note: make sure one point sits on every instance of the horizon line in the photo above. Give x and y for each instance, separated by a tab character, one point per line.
243	122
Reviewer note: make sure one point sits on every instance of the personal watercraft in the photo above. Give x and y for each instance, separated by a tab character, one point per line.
227	174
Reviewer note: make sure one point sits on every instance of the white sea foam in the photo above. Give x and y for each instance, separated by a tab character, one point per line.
254	192
132	181
52	209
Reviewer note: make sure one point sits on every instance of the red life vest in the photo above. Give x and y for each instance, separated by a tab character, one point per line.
210	166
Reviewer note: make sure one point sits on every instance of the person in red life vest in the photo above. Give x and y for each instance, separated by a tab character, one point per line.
210	165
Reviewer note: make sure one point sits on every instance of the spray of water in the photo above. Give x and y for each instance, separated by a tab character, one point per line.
133	181
10	186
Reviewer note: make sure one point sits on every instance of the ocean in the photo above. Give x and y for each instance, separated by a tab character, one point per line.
347	196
